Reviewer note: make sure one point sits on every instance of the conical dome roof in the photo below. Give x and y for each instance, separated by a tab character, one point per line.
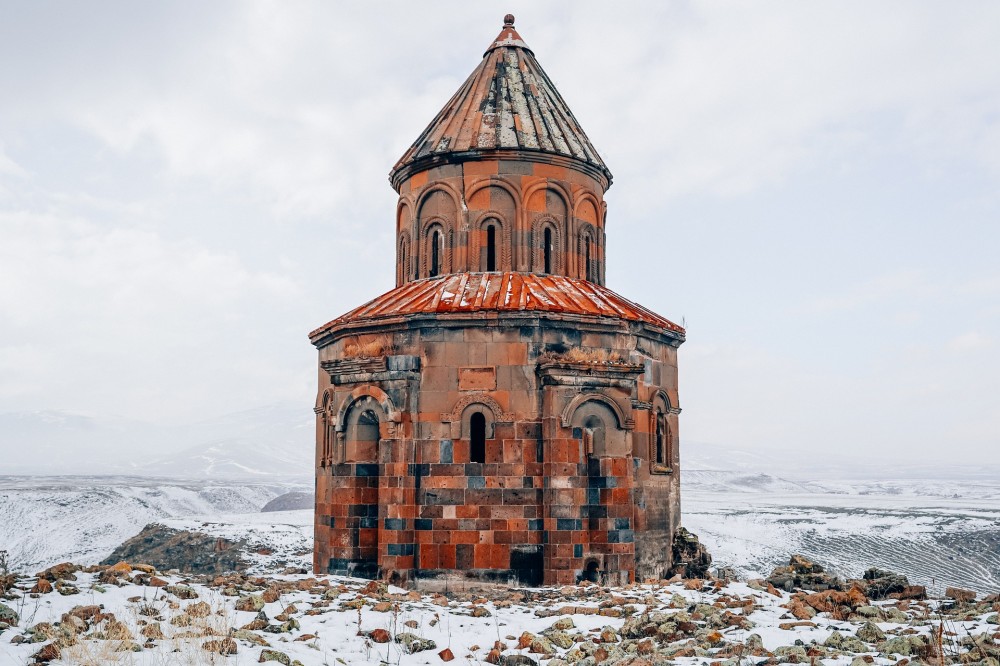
507	104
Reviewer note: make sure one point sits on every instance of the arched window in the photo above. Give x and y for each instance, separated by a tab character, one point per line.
491	247
661	438
477	438
547	250
436	251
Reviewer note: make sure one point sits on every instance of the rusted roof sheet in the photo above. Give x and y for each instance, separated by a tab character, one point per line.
507	103
500	292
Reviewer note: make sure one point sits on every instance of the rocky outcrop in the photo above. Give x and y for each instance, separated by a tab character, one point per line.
804	574
690	557
190	552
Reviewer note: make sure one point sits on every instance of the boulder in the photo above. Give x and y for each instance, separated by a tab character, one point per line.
960	595
62	571
8	615
870	633
274	655
224	646
412	643
879	583
803	574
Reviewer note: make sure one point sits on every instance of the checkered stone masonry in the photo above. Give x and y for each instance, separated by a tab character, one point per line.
501	415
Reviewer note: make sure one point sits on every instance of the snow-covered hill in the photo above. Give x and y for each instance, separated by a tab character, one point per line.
53	519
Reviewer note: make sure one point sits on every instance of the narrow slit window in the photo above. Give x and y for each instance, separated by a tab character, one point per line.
491	247
435	254
590	270
547	250
661	457
477	438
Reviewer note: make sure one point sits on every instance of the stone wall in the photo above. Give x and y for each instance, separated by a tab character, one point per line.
566	484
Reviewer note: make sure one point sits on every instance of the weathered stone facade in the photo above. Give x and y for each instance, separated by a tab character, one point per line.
500	415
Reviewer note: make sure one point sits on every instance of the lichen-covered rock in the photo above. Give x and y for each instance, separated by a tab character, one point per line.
879	583
192	552
870	633
8	615
250	603
224	646
181	591
412	643
274	655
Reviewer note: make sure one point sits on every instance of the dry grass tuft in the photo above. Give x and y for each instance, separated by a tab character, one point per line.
581	355
372	348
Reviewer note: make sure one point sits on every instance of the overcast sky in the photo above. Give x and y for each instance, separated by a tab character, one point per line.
187	189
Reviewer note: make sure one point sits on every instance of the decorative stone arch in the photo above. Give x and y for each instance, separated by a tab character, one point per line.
556	187
404	214
455	415
427	229
391	414
541	223
325	420
584	196
495	181
662	443
422	223
503	240
622	421
403	258
528	222
467	405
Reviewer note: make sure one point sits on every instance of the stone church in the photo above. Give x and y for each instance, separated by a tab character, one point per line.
501	415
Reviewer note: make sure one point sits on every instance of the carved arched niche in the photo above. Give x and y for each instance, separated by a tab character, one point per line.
460	415
436	213
599	422
362	428
547	204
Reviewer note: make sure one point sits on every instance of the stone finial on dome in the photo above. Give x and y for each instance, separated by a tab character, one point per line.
508	20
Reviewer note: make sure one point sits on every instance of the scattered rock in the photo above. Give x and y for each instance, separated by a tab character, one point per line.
446	654
42	586
63	571
960	595
804	574
879	583
181	591
8	615
47	653
379	635
224	646
412	643
251	603
870	633
274	655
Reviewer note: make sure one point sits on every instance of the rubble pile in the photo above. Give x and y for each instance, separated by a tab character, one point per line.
69	612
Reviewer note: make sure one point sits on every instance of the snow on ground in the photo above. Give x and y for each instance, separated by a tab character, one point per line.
936	533
337	620
54	519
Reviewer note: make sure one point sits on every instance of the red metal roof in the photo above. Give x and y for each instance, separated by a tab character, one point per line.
507	103
500	292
